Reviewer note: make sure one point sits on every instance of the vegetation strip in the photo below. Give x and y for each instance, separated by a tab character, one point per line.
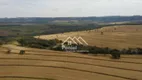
69	69
84	58
81	57
26	77
82	54
72	62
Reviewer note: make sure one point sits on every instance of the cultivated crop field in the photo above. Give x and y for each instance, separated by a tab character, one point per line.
118	37
38	64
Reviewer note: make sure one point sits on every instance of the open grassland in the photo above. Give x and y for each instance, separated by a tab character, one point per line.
38	64
119	37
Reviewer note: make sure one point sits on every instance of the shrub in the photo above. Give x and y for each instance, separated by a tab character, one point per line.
124	51
57	48
139	50
22	52
37	46
115	54
102	33
94	50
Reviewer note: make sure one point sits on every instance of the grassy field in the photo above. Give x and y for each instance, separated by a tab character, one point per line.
38	64
116	37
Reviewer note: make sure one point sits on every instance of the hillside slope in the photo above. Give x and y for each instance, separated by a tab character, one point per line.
37	64
119	37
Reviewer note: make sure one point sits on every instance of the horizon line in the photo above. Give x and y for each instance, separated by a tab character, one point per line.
75	16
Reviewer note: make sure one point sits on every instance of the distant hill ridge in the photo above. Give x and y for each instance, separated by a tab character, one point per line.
50	19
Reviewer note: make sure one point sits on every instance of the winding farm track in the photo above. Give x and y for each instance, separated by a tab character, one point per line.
39	64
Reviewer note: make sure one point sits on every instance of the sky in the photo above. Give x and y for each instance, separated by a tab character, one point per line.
69	8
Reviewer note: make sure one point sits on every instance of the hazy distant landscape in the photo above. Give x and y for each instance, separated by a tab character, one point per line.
34	26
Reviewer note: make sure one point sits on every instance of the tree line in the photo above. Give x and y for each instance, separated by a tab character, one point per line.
55	44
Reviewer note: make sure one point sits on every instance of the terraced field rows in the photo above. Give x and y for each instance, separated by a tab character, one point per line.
43	64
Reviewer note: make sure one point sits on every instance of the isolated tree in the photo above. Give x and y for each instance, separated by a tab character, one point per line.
115	54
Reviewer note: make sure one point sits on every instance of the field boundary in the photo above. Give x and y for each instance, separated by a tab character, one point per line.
70	62
26	77
70	69
80	57
84	58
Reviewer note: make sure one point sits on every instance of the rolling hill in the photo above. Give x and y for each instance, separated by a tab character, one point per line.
38	64
116	37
